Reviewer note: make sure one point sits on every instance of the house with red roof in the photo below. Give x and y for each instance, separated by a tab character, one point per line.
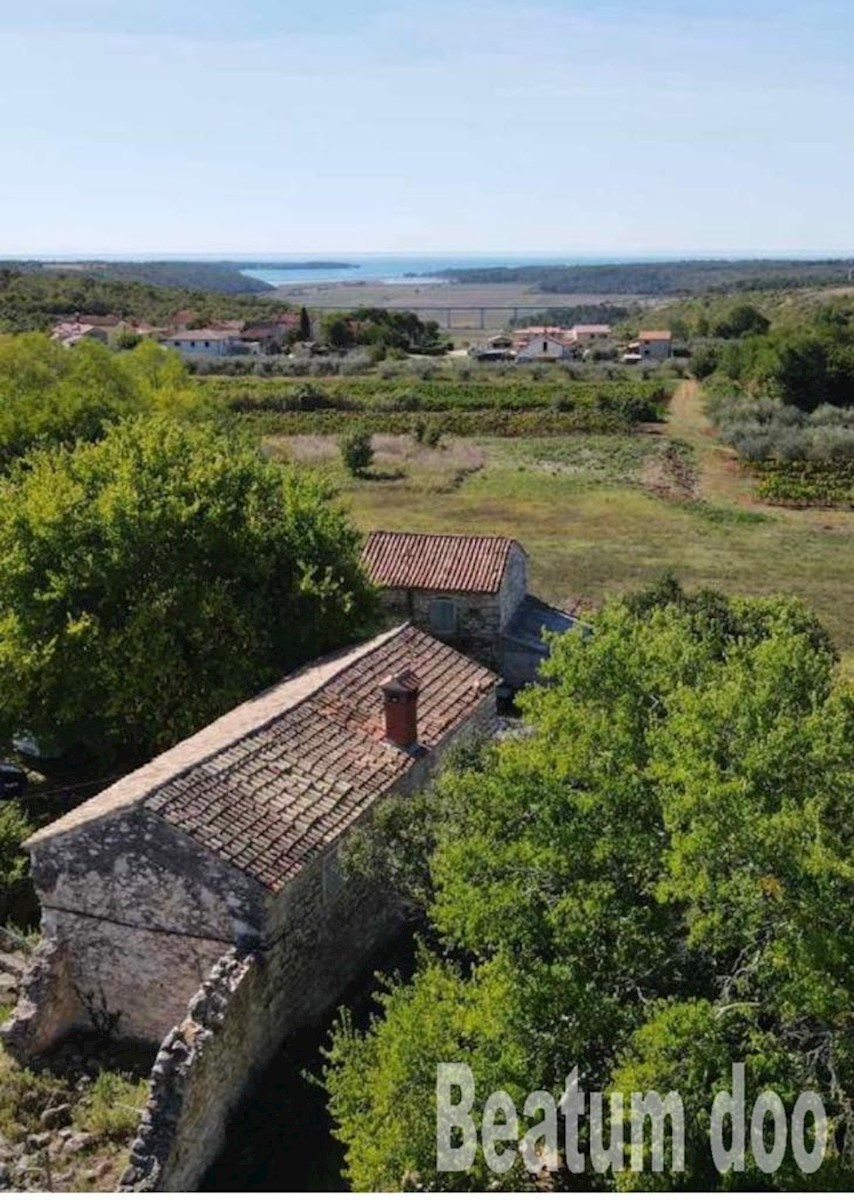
470	591
201	903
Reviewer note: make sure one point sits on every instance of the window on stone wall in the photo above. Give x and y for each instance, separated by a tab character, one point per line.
333	876
443	616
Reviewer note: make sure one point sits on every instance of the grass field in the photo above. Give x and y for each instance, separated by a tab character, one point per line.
602	514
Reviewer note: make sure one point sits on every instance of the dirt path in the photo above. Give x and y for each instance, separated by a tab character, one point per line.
720	478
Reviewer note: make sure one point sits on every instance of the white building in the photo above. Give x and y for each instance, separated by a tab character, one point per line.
210	343
544	347
587	335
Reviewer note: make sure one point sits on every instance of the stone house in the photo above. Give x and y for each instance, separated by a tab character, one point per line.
201	904
231	839
472	592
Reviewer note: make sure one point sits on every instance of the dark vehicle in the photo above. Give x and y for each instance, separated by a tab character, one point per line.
13	781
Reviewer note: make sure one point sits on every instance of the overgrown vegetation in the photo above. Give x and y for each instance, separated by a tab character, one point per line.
649	885
517	405
150	582
50	396
71	1118
784	400
357	453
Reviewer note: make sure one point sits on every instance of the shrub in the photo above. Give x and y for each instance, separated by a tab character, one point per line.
113	1105
357	451
432	434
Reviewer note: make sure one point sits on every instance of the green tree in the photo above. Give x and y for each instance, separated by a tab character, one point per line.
655	877
740	321
17	902
50	395
357	451
304	325
153	580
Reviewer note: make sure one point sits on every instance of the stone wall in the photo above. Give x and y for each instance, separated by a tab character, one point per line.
48	1004
201	1070
320	933
514	585
141	914
478	629
481	616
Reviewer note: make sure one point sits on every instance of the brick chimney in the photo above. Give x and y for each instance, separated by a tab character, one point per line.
400	705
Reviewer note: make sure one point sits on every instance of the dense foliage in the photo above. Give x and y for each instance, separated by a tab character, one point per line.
578	314
151	581
32	299
357	452
806	364
51	395
651	883
765	429
224	277
382	329
664	278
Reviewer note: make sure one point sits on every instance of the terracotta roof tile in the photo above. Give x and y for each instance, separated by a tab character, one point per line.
437	561
271	784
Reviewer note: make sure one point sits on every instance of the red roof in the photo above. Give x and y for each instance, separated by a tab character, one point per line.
274	782
437	561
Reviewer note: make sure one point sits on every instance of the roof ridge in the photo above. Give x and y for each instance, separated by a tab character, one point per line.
133	789
489	537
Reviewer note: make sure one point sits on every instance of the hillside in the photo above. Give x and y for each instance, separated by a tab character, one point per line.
666	278
37	298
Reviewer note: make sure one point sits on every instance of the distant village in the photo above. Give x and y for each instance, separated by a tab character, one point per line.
553	343
232	338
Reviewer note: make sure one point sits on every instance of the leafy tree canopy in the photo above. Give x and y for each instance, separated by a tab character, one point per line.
651	883
50	395
386	329
151	581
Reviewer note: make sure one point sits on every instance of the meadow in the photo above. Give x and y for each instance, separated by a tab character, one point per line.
603	513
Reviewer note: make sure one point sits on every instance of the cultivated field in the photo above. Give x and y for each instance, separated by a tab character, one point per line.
600	514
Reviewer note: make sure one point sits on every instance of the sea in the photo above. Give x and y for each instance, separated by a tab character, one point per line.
401	268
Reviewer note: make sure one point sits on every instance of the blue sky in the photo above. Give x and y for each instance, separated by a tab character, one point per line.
426	125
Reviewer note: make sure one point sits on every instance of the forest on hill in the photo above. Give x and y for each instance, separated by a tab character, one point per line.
36	299
226	277
665	278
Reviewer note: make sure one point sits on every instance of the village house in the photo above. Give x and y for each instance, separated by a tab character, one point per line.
544	347
655	344
210	343
498	348
589	335
231	838
472	592
69	333
227	846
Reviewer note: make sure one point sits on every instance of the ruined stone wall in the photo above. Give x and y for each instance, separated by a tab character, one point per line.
141	914
48	1004
202	1068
